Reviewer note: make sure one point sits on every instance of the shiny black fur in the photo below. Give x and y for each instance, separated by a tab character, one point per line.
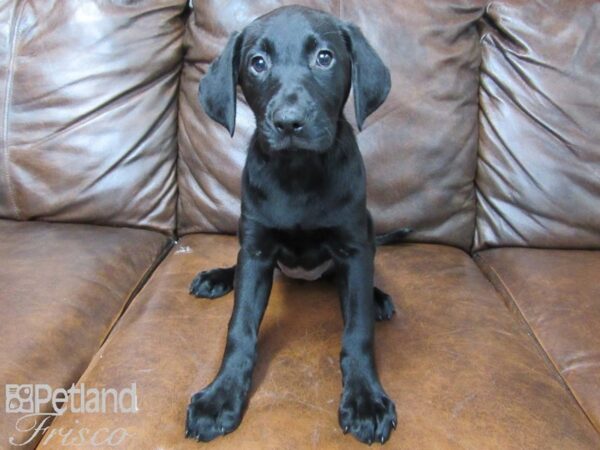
303	203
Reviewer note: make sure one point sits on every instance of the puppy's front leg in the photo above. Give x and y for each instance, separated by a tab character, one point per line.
365	409
217	409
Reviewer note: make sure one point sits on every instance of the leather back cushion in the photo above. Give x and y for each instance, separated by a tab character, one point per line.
89	110
539	169
419	147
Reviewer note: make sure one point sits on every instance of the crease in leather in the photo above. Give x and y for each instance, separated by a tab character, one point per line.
204	179
497	25
12	43
483	203
508	56
110	104
205	194
167	233
510	301
207	219
583	361
151	129
535	215
519	105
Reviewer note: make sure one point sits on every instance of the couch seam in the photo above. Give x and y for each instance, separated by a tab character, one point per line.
492	274
475	237
165	250
185	23
12	43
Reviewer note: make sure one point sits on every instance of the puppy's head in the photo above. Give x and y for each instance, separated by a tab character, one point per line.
295	66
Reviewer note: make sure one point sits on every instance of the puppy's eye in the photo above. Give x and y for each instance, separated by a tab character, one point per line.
258	64
324	58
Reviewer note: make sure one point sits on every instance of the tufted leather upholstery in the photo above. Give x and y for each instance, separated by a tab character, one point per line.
88	111
538	174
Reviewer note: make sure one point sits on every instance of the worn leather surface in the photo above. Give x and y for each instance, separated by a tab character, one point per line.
88	110
558	295
419	147
463	372
538	174
62	287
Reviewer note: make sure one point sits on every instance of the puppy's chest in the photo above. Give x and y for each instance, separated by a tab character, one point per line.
312	198
290	210
302	273
303	255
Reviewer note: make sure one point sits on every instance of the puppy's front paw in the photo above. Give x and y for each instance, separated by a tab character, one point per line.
213	412
367	413
213	283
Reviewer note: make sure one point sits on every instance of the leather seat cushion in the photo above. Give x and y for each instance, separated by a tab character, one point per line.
463	372
63	286
558	295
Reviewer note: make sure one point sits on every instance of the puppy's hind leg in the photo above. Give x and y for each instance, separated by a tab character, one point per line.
213	283
384	306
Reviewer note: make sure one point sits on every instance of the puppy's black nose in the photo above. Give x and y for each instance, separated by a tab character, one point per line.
289	120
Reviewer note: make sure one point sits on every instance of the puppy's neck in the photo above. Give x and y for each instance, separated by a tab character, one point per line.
305	171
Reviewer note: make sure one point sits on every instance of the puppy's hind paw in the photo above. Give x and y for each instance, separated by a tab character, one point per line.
213	283
384	305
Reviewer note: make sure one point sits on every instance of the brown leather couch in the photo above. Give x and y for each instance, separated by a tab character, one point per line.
115	189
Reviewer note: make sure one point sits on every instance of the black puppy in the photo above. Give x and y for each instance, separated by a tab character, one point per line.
303	203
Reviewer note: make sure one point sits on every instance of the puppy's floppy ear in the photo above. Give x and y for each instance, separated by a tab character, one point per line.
371	80
217	91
